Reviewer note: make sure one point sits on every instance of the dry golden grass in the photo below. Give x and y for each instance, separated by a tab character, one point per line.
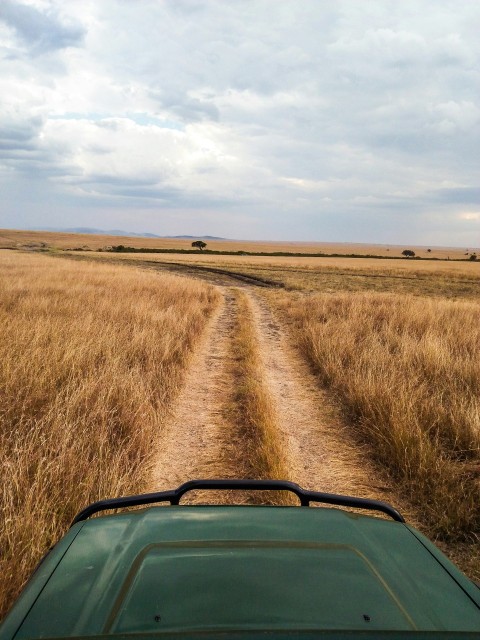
262	456
308	264
327	275
461	281
407	371
18	238
91	357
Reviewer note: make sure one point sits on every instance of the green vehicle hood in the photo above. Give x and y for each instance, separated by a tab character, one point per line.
244	570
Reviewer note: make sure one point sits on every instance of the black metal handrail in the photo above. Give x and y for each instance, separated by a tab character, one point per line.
174	496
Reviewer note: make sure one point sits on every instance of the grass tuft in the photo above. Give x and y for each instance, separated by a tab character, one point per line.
262	454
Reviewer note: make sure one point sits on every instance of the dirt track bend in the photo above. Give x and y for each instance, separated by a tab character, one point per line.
200	439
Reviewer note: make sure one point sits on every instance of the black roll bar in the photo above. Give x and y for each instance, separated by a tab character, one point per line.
174	496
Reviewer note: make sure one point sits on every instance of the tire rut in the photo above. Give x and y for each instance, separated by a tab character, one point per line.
198	440
319	447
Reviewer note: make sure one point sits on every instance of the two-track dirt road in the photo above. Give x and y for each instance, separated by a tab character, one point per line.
201	438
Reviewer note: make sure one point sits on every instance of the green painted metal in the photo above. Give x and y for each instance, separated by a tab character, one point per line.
244	569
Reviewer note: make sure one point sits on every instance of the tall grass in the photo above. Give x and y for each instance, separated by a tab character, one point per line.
256	419
91	356
408	372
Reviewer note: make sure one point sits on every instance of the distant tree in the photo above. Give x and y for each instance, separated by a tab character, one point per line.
199	244
473	257
408	253
429	251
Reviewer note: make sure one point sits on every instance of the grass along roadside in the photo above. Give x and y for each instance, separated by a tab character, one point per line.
407	370
254	410
92	356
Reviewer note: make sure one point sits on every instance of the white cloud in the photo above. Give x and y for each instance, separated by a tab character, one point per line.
453	117
470	215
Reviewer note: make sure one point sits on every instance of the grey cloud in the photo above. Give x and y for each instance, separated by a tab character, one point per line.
144	190
113	124
186	108
171	197
461	195
115	180
118	194
15	145
19	130
22	149
41	32
19	142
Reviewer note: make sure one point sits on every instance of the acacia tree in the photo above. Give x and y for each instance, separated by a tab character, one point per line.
408	253
199	244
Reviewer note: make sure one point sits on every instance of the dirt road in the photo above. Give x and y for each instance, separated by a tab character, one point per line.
201	440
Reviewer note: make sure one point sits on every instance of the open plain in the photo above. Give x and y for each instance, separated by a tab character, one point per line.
13	238
130	372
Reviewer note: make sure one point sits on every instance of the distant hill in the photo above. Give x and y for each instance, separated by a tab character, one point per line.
120	232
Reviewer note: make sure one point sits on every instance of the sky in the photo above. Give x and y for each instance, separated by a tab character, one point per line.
306	120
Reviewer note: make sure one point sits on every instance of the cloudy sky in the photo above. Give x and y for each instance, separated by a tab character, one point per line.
255	119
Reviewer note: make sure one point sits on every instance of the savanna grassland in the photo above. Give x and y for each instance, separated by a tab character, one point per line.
124	372
18	239
397	343
443	278
92	356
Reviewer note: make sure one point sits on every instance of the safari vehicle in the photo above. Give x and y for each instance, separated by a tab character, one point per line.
225	571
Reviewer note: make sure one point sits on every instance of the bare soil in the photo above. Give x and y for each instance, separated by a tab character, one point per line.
196	442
